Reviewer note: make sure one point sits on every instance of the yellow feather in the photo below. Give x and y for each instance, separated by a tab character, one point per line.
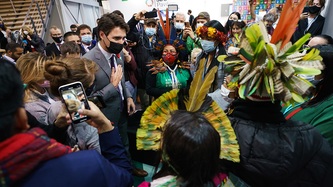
200	98
195	86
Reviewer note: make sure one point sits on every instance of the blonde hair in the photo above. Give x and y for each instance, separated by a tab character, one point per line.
31	66
68	70
195	52
26	28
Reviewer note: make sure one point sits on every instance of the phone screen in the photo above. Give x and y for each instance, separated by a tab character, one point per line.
187	24
74	98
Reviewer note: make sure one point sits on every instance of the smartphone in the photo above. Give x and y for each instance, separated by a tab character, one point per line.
97	100
305	10
152	14
75	98
187	24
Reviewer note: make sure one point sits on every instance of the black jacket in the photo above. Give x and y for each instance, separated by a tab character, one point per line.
275	152
315	29
144	51
52	49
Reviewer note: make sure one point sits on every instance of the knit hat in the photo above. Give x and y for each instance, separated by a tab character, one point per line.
203	15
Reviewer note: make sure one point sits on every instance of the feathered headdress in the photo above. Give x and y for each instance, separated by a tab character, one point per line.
154	118
267	70
167	34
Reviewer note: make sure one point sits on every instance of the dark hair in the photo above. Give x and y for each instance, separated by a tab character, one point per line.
228	23
324	88
119	13
217	25
240	24
11	97
69	48
110	21
81	27
190	11
68	70
237	14
12	47
73	26
269	17
322	2
190	148
70	33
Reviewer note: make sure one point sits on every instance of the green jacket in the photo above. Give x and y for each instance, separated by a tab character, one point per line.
319	115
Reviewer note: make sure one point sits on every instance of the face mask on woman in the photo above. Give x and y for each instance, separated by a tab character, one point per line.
199	25
207	45
169	58
25	32
314	9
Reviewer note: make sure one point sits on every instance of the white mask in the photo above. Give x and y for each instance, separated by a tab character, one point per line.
26	32
179	26
199	25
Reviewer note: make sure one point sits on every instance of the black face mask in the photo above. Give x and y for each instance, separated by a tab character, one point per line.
314	9
114	48
57	39
229	23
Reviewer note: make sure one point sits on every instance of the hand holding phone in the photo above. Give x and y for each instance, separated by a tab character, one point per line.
97	118
75	98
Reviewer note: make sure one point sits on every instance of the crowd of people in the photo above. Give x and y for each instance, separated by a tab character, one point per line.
284	132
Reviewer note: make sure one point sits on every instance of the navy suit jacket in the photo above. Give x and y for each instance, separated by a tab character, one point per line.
104	88
86	168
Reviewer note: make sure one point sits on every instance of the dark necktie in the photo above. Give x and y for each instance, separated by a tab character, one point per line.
112	62
119	89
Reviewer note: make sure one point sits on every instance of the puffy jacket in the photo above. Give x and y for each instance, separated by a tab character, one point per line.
278	152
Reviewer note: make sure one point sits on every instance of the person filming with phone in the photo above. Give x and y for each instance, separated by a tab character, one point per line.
62	72
144	51
310	20
47	162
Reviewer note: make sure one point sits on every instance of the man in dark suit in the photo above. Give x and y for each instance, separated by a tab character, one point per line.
54	48
87	42
109	79
311	21
44	159
95	31
191	17
13	52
